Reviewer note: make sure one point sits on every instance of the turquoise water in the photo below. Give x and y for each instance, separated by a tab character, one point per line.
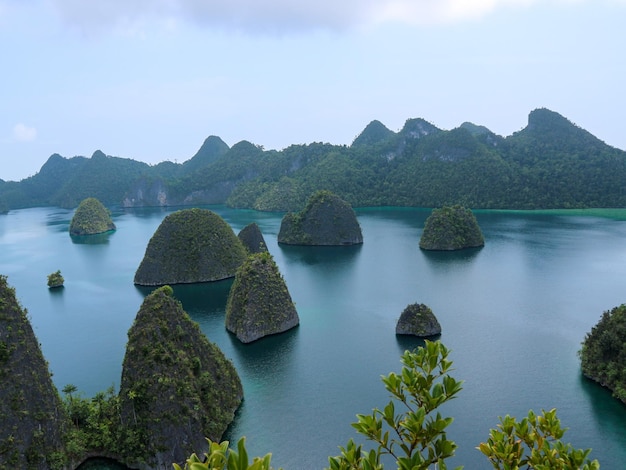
513	313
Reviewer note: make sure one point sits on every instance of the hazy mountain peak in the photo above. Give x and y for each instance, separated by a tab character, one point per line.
417	127
373	133
212	148
475	129
555	130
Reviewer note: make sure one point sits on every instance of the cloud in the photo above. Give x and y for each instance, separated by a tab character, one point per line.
23	133
270	16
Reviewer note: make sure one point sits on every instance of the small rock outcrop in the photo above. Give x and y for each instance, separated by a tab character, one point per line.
90	218
55	280
451	228
177	388
190	245
252	238
259	303
326	220
32	417
418	320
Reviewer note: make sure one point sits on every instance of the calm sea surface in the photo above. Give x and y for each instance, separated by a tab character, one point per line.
513	313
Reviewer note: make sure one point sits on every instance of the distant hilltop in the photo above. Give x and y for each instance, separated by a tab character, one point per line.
551	163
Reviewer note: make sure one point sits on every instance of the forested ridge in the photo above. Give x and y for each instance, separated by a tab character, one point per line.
551	163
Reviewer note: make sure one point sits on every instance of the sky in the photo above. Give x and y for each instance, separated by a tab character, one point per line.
151	79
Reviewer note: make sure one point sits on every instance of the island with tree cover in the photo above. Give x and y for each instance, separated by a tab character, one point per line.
55	280
252	238
259	303
603	352
451	228
167	356
326	220
418	320
90	218
189	246
33	422
549	164
177	388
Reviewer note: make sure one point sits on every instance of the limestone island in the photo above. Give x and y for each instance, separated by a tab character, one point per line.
90	218
603	353
32	418
177	388
252	238
418	320
326	220
259	303
190	245
451	228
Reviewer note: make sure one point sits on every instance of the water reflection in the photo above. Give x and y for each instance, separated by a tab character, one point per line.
146	212
313	255
448	259
56	291
408	342
59	220
414	217
95	239
198	299
203	298
269	357
605	406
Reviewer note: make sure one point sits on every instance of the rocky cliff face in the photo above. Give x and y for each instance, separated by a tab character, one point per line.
418	320
32	420
326	220
190	245
252	238
259	303
151	192
90	218
451	228
177	388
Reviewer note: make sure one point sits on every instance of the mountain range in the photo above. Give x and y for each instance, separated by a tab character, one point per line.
551	163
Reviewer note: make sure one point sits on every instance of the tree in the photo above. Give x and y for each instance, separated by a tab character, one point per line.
221	457
416	436
69	389
534	442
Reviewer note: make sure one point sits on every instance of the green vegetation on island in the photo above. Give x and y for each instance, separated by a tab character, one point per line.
418	320
177	388
32	419
90	218
551	163
326	220
252	238
603	352
451	228
189	246
411	430
259	303
55	280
